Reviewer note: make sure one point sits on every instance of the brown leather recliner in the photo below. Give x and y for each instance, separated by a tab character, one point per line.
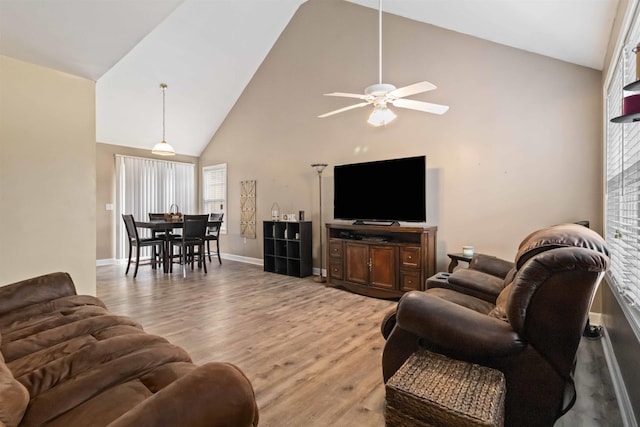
530	332
485	278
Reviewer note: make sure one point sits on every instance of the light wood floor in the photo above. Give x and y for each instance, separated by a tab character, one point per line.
312	353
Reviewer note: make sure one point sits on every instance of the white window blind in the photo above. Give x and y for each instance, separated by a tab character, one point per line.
622	190
214	191
149	185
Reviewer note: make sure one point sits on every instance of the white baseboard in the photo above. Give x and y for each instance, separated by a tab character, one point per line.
624	403
239	258
316	272
248	260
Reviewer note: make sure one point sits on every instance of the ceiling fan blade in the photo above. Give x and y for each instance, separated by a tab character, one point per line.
350	107
427	107
346	95
412	89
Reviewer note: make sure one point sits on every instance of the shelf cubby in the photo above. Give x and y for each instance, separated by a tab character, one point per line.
287	247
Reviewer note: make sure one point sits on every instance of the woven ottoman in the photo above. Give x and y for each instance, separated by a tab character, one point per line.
435	391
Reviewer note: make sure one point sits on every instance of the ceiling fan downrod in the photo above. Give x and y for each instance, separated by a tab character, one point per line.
380	43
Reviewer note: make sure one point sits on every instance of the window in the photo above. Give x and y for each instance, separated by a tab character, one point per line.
622	174
149	185
214	191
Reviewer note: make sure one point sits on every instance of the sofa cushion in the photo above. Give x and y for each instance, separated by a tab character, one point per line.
14	397
473	303
500	310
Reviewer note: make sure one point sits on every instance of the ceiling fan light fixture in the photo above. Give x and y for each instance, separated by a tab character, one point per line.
381	115
163	148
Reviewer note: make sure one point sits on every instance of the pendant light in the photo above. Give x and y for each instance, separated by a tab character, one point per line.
163	148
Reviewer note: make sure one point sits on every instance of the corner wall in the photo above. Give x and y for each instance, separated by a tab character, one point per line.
47	174
519	149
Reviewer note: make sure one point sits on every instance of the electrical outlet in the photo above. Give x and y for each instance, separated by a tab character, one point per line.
109	206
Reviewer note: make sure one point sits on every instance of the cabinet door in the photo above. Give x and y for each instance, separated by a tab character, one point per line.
335	248
357	263
409	280
410	256
383	266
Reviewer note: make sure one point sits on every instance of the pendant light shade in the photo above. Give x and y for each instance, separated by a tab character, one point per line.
163	148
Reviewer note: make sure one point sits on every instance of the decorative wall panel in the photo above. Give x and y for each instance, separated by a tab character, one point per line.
248	209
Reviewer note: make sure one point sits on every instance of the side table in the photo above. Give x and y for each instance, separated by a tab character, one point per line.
454	260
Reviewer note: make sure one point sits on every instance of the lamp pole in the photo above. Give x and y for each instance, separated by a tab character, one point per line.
319	167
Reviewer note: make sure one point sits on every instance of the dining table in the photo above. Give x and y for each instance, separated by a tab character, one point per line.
165	226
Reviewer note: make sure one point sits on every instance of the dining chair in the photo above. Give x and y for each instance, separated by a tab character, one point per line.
194	229
140	242
213	233
157	234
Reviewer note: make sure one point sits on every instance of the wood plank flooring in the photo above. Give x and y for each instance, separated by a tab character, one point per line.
312	353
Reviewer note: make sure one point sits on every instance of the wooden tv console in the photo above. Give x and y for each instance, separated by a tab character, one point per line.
380	261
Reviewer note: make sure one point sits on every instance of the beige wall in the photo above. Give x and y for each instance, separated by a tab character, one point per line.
520	147
47	174
106	192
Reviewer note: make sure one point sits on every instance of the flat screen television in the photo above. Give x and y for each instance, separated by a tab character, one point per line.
385	190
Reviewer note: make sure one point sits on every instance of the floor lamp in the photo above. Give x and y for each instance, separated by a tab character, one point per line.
319	167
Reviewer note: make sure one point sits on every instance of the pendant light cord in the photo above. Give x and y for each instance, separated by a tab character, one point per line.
163	86
163	111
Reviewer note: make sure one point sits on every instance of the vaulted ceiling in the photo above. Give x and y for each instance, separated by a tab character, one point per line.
207	51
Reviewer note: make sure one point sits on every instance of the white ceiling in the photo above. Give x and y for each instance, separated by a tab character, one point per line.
208	50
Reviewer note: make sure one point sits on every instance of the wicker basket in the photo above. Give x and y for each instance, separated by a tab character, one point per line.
173	216
433	390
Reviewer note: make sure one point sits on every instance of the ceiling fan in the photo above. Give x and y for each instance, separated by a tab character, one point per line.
382	94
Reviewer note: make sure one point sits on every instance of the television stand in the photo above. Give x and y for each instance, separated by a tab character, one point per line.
387	223
380	261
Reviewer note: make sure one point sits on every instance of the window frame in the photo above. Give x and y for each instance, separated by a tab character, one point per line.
222	167
621	165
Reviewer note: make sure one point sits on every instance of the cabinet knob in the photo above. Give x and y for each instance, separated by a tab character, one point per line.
410	281
335	269
409	256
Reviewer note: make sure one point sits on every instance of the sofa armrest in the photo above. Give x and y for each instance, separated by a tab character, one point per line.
485	278
491	265
214	394
471	282
446	325
35	290
388	323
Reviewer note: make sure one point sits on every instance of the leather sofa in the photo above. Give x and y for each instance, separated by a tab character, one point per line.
65	360
530	331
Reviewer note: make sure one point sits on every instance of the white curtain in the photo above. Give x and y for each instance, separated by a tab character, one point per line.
149	185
